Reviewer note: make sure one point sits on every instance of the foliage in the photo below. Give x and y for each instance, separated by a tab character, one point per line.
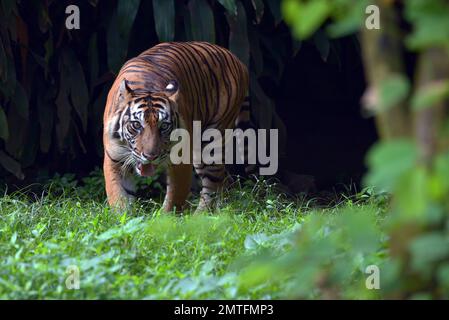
144	253
54	81
413	164
92	186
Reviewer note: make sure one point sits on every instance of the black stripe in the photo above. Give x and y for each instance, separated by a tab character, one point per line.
211	177
130	192
180	54
245	107
109	156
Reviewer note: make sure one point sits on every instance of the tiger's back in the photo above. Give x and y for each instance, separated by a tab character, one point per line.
212	81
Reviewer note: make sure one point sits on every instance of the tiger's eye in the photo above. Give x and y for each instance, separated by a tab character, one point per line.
136	125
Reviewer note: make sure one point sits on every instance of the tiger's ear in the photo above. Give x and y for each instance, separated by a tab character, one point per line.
172	90
125	91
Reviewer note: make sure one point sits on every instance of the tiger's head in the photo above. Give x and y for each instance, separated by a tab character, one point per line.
143	125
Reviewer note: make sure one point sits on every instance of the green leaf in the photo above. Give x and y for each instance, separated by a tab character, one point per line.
20	101
8	87
275	8
93	60
229	5
254	241
29	153
8	6
259	7
412	194
11	165
255	49
78	88
360	231
322	44
305	18
126	11
45	110
238	34
261	105
348	17
201	21
18	126
443	275
164	17
4	131
274	47
388	161
63	104
118	32
430	21
430	95
428	249
392	91
3	62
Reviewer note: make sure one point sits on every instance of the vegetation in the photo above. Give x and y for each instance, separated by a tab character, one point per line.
54	81
143	253
411	108
258	244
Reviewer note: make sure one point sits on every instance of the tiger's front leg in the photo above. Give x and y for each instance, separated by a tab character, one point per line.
179	180
119	188
213	178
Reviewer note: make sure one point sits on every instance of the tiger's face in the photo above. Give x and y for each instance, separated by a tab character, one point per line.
145	125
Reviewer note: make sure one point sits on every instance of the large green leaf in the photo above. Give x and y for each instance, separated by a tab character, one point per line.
7	88
21	101
261	105
256	52
322	44
18	127
230	5
392	91
348	16
118	32
3	62
93	60
78	88
430	20
305	17
275	8
388	161
259	8
238	35
412	195
32	145
64	108
275	48
428	249
4	131
430	95
202	21
164	18
45	108
8	6
11	165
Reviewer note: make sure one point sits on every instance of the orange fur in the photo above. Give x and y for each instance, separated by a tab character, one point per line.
212	86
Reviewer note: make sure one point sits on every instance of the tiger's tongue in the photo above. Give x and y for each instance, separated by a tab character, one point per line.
146	170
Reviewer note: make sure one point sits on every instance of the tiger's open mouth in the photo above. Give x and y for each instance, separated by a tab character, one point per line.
145	170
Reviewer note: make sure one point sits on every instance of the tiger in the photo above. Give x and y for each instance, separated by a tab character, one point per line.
165	88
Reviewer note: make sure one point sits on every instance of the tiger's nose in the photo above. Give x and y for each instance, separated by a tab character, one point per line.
150	156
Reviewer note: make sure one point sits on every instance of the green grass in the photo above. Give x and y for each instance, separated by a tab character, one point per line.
143	253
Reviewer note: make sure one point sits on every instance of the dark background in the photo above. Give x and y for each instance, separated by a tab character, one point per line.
314	87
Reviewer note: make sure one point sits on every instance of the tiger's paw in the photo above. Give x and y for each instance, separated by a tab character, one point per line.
207	204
